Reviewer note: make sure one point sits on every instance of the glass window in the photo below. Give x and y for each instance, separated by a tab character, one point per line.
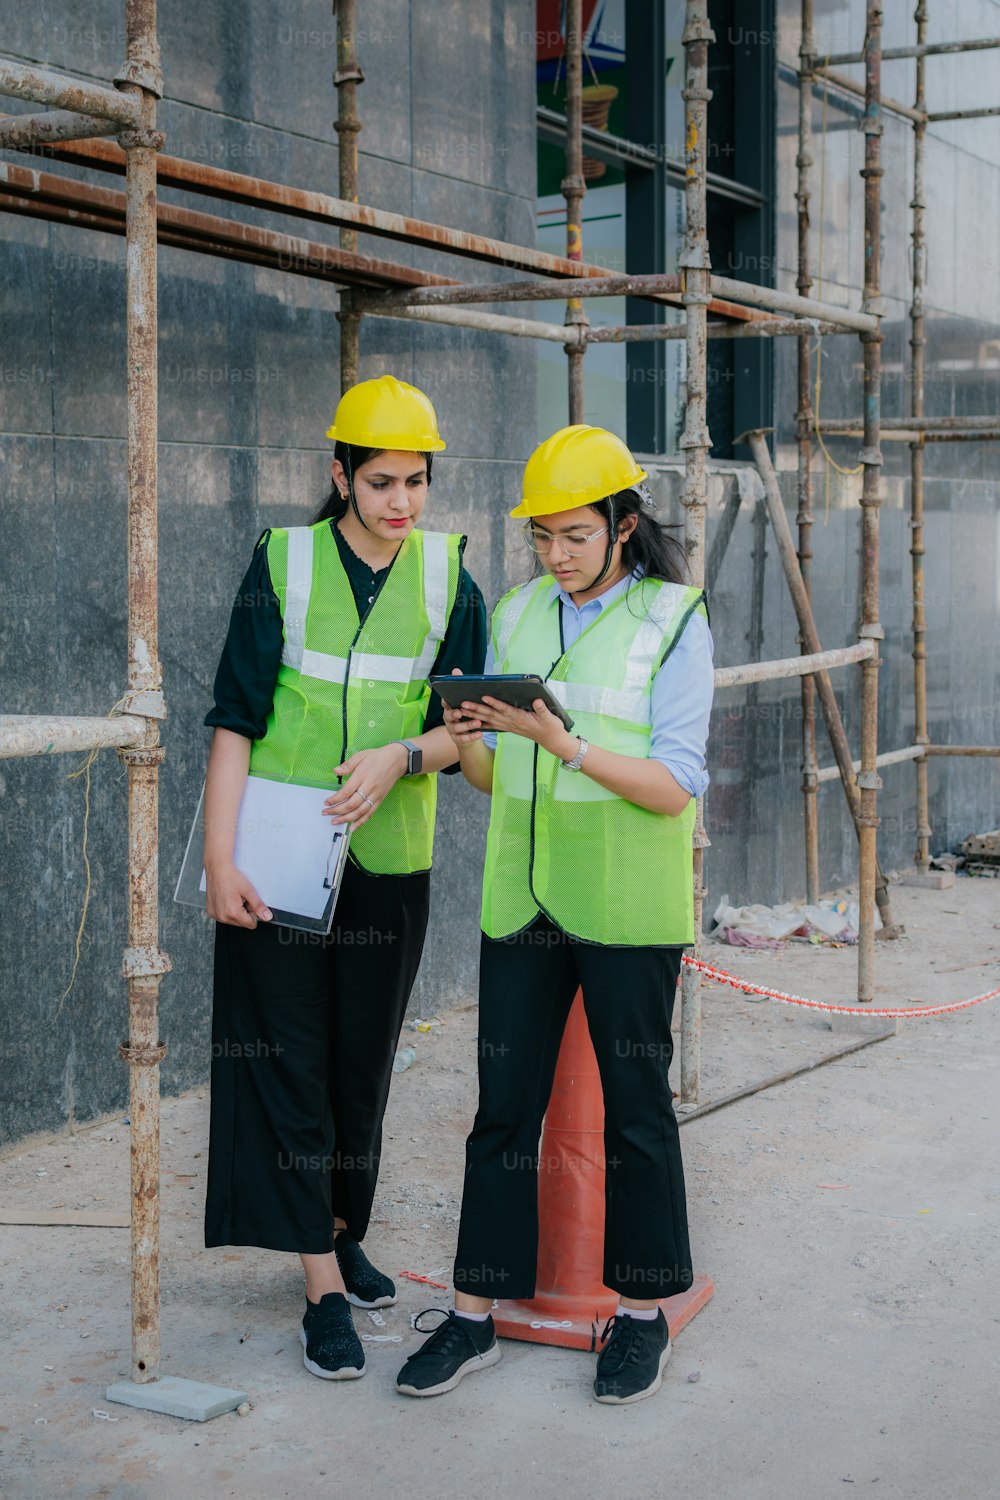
633	211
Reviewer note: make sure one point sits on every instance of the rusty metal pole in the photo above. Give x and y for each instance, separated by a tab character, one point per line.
809	637
804	417
573	190
143	963
869	780
917	344
696	267
347	125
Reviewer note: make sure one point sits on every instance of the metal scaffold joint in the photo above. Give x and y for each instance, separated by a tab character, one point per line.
143	755
697	29
137	137
143	1057
145	703
139	963
144	74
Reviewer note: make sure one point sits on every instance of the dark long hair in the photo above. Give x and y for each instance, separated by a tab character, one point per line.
352	457
650	545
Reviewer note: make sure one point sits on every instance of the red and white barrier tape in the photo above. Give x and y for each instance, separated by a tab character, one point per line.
902	1012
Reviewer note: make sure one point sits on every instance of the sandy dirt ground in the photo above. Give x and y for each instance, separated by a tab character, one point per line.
849	1218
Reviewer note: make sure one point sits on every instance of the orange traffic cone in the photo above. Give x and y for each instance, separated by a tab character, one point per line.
571	1302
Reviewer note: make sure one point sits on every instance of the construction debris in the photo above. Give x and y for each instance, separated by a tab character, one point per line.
982	853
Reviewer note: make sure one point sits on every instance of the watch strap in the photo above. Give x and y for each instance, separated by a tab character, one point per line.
414	757
577	761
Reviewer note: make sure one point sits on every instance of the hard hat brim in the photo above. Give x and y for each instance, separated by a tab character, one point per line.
392	445
550	505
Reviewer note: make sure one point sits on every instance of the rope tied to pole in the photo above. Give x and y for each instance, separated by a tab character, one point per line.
898	1012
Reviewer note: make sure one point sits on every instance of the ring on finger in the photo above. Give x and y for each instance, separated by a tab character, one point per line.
365	798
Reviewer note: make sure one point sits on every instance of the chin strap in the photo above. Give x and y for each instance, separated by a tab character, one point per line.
350	496
612	538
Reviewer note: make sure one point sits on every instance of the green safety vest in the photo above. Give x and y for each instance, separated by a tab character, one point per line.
344	686
600	867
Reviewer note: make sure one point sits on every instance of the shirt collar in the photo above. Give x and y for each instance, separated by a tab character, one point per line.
602	601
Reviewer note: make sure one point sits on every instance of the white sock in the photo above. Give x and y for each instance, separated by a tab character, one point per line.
644	1314
472	1317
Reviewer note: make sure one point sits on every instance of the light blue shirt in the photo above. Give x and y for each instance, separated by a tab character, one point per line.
682	689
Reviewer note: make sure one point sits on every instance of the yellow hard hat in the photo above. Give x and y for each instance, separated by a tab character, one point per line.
386	413
576	466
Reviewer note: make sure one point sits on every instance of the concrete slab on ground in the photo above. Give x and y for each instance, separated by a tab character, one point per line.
850	1219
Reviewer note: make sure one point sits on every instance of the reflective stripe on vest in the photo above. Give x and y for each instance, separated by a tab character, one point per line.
344	685
295	653
601	867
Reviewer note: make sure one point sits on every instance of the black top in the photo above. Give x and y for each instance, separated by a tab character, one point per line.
248	667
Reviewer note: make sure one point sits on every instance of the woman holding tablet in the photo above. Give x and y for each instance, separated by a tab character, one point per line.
588	883
323	680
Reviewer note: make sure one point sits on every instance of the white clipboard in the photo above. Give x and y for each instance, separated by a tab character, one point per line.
293	855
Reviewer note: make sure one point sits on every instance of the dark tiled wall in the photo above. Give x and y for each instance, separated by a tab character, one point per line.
249	376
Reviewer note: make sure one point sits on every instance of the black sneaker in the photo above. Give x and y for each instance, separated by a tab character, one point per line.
366	1287
331	1348
456	1348
630	1366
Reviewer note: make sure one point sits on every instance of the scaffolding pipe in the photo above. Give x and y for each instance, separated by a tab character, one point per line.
963	114
804	436
809	636
143	964
650	284
573	189
889	758
277	197
19	131
540	291
920	51
348	127
792	666
696	265
803	307
918	341
209	233
962	749
53	734
463	317
18	81
868	779
909	435
757	329
978	435
850	87
531	328
915	423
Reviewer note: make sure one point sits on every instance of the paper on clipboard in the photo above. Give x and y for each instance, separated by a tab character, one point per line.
292	854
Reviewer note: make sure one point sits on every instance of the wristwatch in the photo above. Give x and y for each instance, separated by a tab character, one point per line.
414	757
577	761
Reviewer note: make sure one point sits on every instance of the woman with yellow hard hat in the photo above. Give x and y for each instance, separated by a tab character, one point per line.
323	680
588	883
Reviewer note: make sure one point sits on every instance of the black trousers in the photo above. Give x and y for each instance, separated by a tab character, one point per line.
527	984
304	1032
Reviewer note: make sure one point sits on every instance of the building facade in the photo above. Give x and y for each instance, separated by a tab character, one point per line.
460	118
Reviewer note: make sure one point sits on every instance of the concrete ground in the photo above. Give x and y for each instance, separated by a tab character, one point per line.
849	1218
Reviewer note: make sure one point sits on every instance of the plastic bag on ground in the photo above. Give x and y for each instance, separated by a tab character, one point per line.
758	926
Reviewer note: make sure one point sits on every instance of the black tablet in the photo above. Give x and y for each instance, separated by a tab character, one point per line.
519	689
